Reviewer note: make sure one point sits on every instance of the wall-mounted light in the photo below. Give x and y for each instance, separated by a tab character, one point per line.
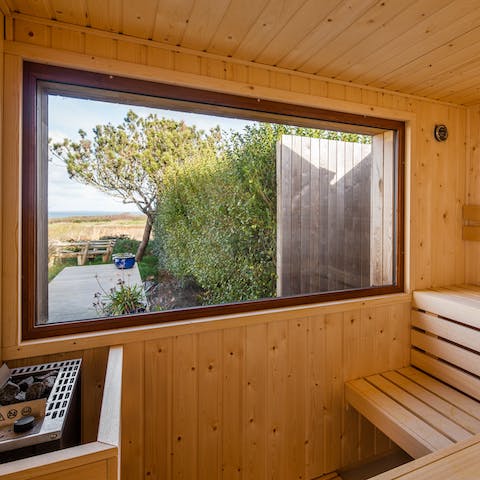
441	133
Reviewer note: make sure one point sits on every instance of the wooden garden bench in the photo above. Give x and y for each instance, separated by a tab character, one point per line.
82	250
435	402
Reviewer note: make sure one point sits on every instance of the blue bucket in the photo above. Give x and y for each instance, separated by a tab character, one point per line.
123	261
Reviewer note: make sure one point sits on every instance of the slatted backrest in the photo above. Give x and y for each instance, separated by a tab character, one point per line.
448	350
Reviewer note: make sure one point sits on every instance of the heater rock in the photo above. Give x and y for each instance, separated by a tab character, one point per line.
35	391
49	382
8	393
25	383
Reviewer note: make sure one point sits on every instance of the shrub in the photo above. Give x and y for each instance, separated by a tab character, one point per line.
121	299
216	219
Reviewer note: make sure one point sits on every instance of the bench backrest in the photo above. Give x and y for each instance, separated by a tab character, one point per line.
448	350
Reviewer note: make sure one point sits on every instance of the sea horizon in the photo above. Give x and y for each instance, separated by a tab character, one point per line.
88	213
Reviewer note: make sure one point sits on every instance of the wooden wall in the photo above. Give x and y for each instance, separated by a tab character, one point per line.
285	370
263	399
472	249
2	37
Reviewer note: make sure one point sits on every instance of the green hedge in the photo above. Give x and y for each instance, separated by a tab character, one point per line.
216	218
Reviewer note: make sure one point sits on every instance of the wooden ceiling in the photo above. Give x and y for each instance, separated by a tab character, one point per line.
429	48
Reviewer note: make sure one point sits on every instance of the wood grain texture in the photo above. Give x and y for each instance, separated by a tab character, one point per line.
426	251
92	460
255	401
431	264
109	424
330	235
425	48
2	38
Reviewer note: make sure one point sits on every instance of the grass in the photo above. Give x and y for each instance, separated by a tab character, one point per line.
95	228
56	268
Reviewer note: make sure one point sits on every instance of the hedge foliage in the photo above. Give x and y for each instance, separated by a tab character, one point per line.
216	215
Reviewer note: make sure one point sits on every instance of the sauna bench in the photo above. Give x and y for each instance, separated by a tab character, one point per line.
459	462
435	402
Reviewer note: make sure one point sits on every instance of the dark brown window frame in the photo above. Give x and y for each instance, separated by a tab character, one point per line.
34	73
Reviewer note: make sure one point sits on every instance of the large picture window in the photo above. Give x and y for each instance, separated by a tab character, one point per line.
145	203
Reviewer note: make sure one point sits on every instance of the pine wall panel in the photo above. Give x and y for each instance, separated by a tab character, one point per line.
255	401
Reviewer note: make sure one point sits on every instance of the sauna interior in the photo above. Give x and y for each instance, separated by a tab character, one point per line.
370	374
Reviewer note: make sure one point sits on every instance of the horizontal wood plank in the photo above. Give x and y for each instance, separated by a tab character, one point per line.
446	406
424	411
471	213
59	461
443	391
444	328
410	432
456	355
445	304
471	233
460	462
453	376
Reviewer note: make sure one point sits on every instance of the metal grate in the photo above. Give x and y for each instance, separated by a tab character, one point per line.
51	426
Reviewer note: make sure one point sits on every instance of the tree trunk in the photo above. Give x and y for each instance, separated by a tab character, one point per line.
146	237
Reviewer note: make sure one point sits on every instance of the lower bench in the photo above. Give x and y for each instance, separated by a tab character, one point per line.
434	402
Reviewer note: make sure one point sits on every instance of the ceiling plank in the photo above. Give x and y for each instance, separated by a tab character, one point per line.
171	20
436	63
388	31
70	11
303	22
462	77
439	26
37	8
271	20
364	26
6	7
337	21
231	31
203	23
138	18
105	15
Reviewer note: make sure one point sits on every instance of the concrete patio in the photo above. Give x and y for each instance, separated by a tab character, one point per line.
71	292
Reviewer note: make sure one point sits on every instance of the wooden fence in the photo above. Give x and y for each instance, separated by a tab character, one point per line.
334	214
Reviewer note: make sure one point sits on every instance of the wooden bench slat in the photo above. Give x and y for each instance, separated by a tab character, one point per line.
435	419
458	462
440	390
453	354
460	400
454	332
411	433
462	292
462	310
445	407
447	373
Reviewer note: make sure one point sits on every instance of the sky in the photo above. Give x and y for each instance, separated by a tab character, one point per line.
67	115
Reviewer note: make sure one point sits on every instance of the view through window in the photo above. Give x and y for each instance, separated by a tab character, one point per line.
198	209
145	206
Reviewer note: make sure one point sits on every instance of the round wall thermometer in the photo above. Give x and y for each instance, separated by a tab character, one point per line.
441	133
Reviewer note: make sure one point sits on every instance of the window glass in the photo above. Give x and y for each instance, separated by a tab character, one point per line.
150	208
153	209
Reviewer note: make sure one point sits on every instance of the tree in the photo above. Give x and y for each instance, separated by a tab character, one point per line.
128	161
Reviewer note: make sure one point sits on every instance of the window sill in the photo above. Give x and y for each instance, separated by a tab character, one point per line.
151	332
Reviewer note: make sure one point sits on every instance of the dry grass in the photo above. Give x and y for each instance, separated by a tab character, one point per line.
94	228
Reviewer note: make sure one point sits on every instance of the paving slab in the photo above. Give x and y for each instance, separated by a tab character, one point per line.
71	292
